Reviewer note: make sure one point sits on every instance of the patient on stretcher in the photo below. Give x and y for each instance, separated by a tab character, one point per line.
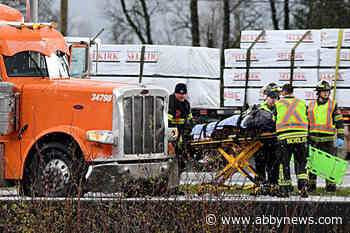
254	123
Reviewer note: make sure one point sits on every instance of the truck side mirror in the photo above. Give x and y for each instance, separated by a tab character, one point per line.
79	60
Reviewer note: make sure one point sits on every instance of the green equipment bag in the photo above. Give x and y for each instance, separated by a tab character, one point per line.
326	165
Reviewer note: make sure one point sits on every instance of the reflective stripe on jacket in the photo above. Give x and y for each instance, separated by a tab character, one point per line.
320	117
291	118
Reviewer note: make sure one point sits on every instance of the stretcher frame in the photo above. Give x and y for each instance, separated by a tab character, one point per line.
236	151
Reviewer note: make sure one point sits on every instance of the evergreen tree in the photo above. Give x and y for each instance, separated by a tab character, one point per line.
316	14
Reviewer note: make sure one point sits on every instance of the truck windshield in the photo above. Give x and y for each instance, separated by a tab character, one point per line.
33	64
26	64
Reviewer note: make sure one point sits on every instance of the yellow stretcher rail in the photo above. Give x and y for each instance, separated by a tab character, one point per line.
236	152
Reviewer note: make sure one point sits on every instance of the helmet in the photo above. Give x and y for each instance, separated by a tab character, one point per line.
269	88
323	85
273	95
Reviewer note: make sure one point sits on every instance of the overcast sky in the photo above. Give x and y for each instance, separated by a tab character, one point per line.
85	18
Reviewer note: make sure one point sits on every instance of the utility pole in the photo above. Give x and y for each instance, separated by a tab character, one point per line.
33	11
64	16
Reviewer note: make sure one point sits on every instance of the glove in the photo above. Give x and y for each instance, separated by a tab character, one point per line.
340	142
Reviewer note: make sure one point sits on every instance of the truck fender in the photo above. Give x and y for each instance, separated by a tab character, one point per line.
77	134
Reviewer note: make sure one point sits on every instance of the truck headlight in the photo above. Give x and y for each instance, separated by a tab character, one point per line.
101	136
173	133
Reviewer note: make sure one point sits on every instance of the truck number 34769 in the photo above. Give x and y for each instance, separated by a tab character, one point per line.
101	97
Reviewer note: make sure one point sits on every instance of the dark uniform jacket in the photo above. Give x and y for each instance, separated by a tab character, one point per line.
179	113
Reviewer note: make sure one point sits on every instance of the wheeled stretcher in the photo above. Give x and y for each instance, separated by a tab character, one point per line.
236	145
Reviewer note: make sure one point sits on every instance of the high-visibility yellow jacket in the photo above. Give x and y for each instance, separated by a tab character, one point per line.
266	108
324	121
291	120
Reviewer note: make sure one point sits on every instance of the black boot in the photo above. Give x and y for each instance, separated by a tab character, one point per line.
303	193
273	190
331	188
347	157
283	191
312	188
291	188
312	185
302	187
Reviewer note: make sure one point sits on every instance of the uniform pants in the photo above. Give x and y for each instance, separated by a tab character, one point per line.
284	153
266	163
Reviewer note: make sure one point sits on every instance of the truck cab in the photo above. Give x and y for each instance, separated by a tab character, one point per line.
63	136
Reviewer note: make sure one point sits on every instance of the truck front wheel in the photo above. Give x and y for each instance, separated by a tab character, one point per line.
55	171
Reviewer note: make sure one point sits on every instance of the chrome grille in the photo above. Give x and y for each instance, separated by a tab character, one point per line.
144	128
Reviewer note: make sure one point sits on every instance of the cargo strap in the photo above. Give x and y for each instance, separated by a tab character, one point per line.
142	61
340	39
293	55
245	105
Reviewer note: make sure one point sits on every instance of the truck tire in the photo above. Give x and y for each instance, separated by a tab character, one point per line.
53	172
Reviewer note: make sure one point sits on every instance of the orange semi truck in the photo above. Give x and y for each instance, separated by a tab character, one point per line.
62	136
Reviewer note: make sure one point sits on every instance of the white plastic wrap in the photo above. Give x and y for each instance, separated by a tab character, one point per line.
260	77
271	58
270	62
329	37
343	79
201	93
198	67
281	39
235	96
328	57
159	60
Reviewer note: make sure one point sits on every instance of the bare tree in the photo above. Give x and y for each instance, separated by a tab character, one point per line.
194	23
173	22
242	14
286	14
121	32
64	16
321	14
246	15
274	14
226	24
132	17
208	29
275	18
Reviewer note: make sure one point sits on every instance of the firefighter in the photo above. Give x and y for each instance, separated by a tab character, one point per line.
325	123
180	117
292	131
179	112
265	159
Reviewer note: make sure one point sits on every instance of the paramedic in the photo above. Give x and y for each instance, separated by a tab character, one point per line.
325	123
292	131
265	159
